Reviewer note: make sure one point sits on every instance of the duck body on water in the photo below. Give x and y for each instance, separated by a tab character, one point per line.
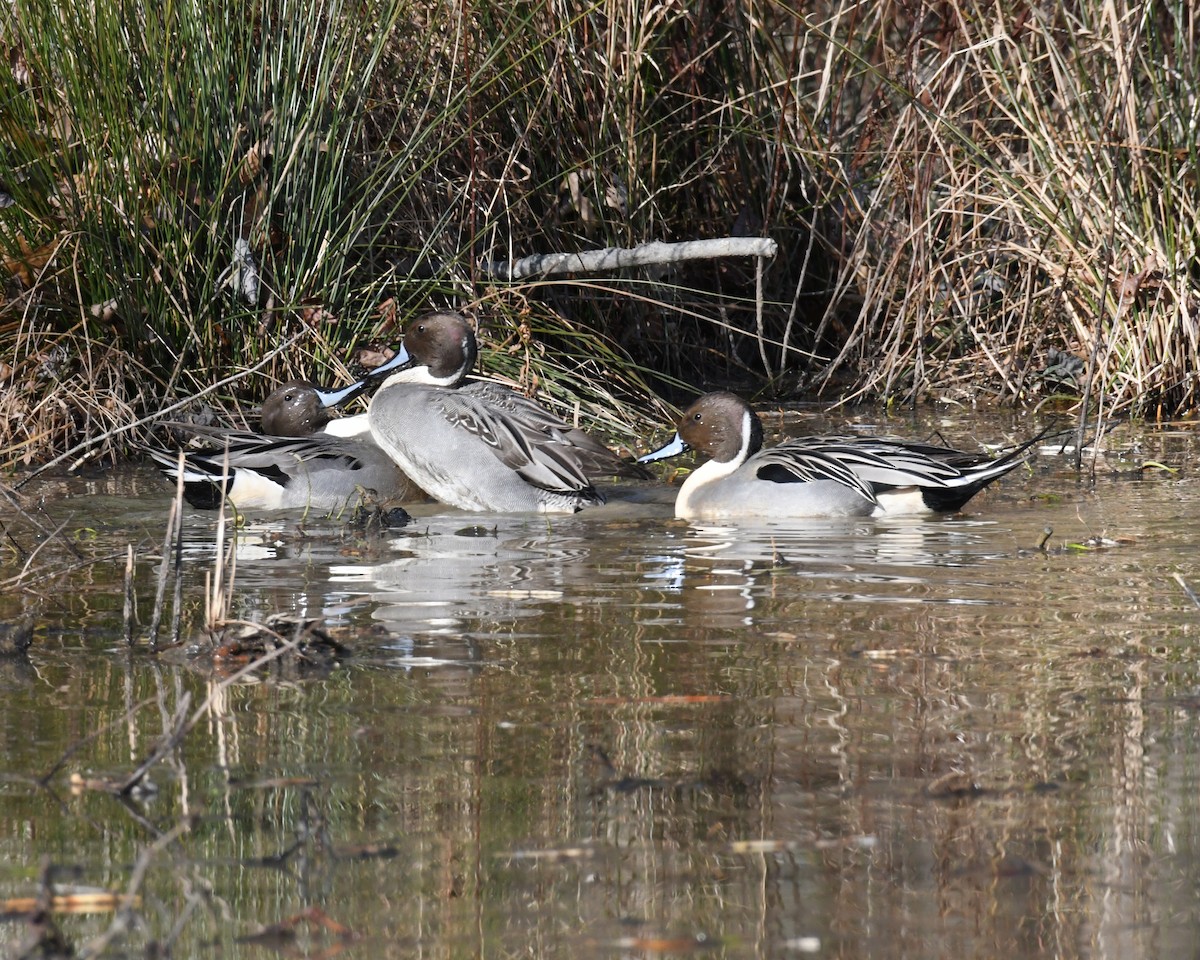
816	476
320	473
480	446
477	446
303	459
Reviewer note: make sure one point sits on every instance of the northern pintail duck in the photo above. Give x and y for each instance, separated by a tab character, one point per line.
816	476
305	460
300	408
480	446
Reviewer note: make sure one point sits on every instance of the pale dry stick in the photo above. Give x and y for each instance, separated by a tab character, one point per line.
127	613
1187	589
827	89
158	414
227	594
216	599
174	516
19	578
177	605
758	319
617	258
207	595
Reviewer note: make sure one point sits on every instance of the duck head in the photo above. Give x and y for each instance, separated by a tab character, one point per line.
721	425
438	348
296	409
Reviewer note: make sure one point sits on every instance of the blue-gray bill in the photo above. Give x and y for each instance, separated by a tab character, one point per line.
673	448
335	398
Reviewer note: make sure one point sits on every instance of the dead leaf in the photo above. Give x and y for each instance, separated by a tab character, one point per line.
31	260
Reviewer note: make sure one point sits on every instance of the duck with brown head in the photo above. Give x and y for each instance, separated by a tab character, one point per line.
480	446
303	459
294	410
816	476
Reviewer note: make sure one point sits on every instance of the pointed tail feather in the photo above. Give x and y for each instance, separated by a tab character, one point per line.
954	496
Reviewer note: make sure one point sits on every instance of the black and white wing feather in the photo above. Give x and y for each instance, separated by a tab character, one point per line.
526	440
802	461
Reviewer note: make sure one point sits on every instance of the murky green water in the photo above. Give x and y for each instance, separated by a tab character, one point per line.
616	734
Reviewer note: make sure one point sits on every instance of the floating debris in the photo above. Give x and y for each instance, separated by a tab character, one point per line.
312	646
16	638
70	899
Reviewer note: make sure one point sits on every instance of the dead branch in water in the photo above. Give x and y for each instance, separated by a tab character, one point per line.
125	917
181	723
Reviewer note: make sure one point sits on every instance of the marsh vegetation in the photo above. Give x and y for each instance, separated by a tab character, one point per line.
969	202
602	732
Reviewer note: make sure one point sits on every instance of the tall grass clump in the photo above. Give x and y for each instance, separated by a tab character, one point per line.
999	187
181	179
963	195
188	186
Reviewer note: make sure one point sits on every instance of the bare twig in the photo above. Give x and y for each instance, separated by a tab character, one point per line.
11	497
1187	589
20	577
46	777
21	581
177	605
174	519
217	599
758	320
121	921
165	746
127	614
182	725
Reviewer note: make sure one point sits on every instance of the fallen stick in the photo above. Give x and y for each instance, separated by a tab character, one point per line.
617	258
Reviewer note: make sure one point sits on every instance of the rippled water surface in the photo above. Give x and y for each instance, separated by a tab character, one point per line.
617	734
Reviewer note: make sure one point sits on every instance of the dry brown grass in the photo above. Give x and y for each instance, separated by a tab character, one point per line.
1008	182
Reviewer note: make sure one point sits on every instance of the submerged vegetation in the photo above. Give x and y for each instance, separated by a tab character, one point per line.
968	200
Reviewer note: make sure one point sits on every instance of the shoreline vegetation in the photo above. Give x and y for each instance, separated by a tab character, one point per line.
969	203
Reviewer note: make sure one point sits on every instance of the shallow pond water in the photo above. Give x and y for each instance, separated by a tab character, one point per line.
617	734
